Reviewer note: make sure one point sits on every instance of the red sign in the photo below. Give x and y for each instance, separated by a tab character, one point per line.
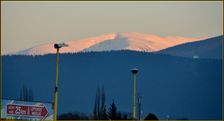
26	110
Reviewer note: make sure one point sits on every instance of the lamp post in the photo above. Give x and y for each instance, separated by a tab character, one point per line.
134	72
57	47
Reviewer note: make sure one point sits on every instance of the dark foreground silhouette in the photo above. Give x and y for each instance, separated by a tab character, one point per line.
151	117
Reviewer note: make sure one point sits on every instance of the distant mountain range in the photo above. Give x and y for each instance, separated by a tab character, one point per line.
115	41
178	77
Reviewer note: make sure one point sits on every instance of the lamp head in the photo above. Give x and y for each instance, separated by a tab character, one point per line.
60	45
134	70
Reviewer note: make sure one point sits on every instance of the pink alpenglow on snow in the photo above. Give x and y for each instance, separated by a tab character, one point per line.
120	41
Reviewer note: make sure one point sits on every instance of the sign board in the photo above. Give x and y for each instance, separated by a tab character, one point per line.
12	109
26	110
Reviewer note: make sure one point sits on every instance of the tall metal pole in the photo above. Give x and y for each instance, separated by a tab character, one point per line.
56	87
134	100
134	71
139	107
57	46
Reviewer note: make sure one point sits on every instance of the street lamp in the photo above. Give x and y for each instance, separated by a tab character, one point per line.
57	47
134	72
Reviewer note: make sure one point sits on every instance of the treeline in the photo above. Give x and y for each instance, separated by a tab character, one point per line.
124	51
111	114
100	112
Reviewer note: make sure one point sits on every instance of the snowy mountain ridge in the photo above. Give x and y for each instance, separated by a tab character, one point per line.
114	41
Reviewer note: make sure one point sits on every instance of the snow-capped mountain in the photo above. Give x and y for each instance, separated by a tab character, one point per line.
115	41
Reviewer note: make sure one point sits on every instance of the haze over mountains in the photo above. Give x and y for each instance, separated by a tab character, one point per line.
115	41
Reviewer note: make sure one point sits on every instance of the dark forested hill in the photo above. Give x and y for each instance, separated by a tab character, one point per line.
169	85
209	48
